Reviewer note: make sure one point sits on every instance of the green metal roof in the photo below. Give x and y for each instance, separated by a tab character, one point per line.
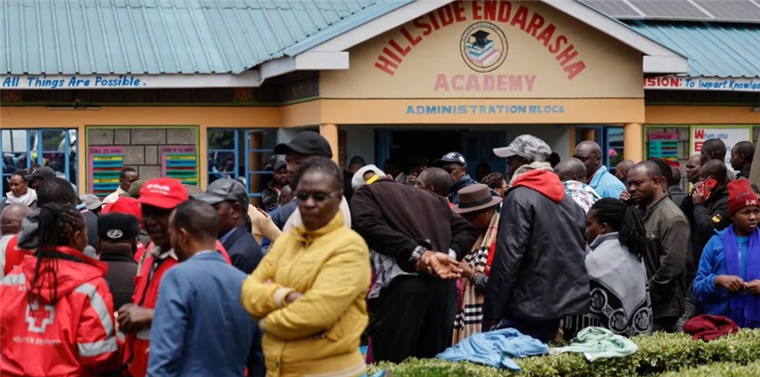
714	49
169	36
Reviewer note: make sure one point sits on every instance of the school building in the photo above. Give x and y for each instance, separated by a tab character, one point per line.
201	91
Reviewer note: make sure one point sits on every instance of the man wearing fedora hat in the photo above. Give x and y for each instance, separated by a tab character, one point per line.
478	206
538	275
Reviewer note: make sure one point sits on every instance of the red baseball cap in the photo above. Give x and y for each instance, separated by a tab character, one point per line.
166	193
126	205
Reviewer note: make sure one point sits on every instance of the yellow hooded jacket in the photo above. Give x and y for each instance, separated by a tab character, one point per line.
319	333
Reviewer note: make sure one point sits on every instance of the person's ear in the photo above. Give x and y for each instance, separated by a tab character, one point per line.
79	240
182	236
604	228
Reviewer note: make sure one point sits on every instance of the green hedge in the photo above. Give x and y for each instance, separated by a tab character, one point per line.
718	370
657	354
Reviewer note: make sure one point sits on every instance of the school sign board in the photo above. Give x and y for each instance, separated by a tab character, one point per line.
730	135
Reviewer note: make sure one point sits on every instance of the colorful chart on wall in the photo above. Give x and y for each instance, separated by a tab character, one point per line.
105	164
180	162
730	135
663	145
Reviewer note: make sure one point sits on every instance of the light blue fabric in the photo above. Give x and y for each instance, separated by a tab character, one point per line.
606	184
712	264
495	349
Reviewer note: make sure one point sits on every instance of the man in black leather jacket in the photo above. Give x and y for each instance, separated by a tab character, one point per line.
538	275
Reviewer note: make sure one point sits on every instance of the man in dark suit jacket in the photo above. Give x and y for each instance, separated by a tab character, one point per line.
230	199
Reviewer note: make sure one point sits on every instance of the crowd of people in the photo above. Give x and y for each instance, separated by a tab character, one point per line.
164	279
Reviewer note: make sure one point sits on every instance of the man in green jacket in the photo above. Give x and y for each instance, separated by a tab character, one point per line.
667	243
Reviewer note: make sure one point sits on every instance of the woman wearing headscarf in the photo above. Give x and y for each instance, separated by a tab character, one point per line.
618	279
728	279
20	192
57	312
478	206
308	293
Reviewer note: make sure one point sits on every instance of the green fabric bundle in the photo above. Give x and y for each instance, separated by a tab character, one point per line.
598	343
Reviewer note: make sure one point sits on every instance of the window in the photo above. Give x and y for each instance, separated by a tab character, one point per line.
27	149
613	138
610	139
247	155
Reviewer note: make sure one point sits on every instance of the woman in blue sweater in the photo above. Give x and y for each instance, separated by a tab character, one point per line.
728	280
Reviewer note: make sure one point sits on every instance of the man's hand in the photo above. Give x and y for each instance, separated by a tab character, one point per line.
292	297
753	287
698	197
467	271
730	283
625	196
133	318
440	264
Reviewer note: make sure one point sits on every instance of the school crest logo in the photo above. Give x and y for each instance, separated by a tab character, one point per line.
484	47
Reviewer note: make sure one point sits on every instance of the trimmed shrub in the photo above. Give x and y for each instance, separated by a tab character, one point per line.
657	353
718	370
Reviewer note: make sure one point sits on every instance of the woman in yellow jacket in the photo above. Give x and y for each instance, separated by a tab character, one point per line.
308	293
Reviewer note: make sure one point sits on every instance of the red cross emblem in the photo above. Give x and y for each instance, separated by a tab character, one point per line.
43	317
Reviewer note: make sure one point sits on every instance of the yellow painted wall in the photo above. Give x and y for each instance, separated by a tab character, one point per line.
26	117
40	117
418	60
701	115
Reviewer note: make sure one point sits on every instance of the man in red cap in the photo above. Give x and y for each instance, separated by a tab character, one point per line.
728	279
158	198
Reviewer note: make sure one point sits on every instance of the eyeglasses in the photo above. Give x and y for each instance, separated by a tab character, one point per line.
318	197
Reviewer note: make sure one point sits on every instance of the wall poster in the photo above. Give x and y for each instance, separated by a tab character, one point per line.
730	135
180	162
105	164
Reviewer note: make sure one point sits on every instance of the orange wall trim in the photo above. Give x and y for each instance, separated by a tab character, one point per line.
482	111
40	117
301	114
701	115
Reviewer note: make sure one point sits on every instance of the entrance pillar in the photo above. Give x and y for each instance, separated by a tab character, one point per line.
330	132
633	142
588	135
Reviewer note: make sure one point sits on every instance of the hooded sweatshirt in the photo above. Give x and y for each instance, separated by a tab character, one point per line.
71	336
28	237
542	181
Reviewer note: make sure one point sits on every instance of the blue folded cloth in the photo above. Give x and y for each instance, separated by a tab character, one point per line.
495	349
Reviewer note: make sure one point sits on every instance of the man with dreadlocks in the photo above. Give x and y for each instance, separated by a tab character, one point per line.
618	279
57	312
230	200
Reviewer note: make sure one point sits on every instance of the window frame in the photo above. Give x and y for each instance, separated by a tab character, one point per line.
39	148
